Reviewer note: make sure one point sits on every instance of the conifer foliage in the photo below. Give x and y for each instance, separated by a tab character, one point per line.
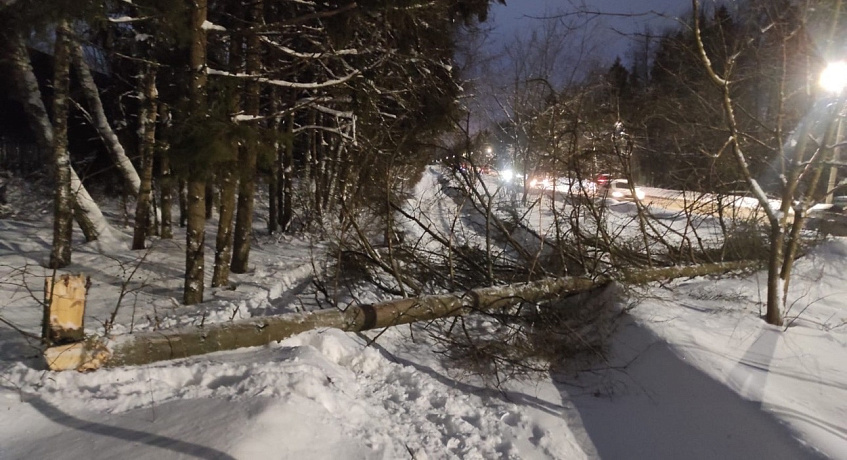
208	99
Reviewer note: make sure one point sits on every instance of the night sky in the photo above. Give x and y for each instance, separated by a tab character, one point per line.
516	18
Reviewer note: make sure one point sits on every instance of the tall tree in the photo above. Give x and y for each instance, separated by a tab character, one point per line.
195	232
227	173
797	186
60	256
248	153
147	146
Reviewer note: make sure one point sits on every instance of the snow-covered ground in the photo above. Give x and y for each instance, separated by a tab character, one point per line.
692	372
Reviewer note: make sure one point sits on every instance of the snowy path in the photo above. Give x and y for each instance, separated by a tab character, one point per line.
312	395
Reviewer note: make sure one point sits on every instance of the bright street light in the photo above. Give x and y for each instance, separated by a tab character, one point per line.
834	77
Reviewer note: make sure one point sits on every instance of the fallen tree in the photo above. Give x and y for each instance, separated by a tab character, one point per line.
148	347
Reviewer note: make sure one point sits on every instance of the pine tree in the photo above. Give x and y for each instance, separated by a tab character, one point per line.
60	256
196	188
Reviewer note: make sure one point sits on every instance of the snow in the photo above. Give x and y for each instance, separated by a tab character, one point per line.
211	26
692	371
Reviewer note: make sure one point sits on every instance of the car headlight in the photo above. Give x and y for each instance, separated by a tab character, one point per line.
507	175
639	194
617	194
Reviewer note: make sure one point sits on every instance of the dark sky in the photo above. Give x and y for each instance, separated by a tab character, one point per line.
517	18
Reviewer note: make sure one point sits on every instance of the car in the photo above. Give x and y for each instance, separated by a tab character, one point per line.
602	180
620	189
541	182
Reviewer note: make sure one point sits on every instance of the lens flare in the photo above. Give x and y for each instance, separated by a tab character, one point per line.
834	77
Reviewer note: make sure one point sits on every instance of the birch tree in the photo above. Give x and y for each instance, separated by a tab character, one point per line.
803	161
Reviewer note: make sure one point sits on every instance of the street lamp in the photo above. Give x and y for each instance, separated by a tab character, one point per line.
834	80
834	77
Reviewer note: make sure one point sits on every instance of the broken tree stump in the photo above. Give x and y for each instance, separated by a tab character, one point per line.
64	307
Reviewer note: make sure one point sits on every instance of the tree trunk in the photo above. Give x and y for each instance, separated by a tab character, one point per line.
223	242
60	255
247	182
274	176
228	182
101	123
287	186
182	194
195	232
273	196
320	169
774	296
166	185
195	239
148	347
147	144
210	197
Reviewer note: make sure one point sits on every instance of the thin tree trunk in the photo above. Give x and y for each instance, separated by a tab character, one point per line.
210	198
310	175
287	214
273	196
332	175
166	185
247	183
60	255
273	177
228	182
182	194
223	242
320	171
195	239
149	104
101	123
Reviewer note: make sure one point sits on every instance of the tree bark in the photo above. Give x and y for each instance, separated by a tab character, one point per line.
166	186
274	182
248	153
195	233
182	196
228	180
147	144
60	255
195	239
223	242
286	214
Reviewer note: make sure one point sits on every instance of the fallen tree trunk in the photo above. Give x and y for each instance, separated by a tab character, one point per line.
148	347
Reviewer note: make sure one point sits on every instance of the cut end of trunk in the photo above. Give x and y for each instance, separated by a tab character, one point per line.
80	356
